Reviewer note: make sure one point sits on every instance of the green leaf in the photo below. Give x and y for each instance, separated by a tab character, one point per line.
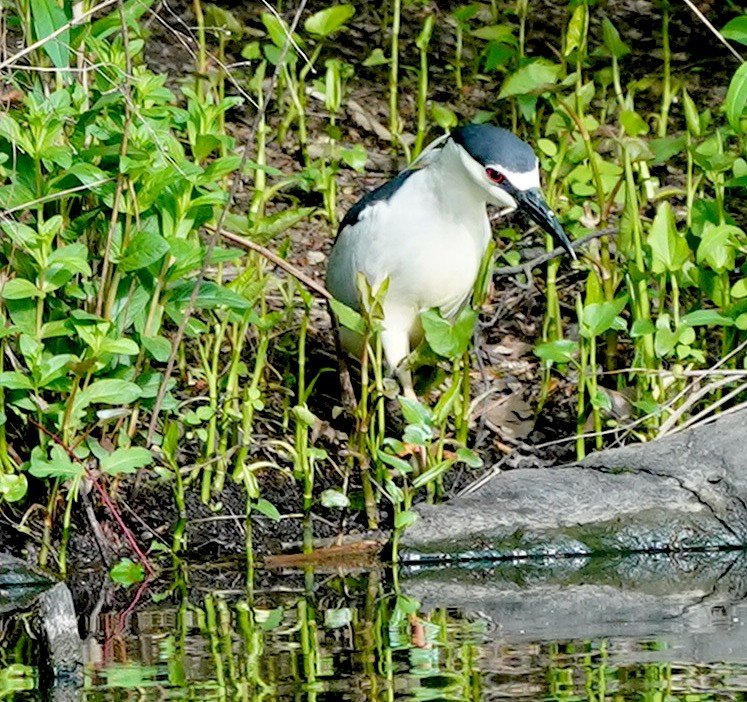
424	38
574	37
376	58
15	380
739	289
500	33
277	30
443	116
642	327
405	519
692	120
599	317
20	289
415	412
127	573
211	295
126	460
448	339
145	248
348	317
110	391
633	124
736	98
611	37
47	17
305	416
561	351
736	29
13	487
58	465
399	464
125	346
669	250
469	457
717	247
534	78
335	499
328	21
355	157
699	318
266	507
158	347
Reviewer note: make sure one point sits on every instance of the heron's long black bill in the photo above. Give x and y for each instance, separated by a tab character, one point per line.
534	204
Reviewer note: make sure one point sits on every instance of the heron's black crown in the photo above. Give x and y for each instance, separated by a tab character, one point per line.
493	145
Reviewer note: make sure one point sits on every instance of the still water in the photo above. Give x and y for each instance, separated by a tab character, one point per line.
375	635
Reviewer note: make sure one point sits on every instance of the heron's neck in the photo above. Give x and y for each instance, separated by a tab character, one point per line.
456	192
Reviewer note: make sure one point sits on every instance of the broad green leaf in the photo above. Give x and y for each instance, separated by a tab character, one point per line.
449	339
599	317
717	246
126	460
122	345
355	157
376	58
500	33
158	347
469	457
736	29
328	21
706	317
58	465
127	573
405	519
443	116
736	98
19	289
611	37
642	327
72	257
633	124
305	416
560	351
15	380
145	248
669	250
575	36
266	507
13	487
399	464
110	391
533	78
348	317
133	10
276	29
48	17
739	289
415	412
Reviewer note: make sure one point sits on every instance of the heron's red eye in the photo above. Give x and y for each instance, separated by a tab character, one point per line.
495	176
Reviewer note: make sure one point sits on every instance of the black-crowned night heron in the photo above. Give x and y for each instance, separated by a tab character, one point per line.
427	229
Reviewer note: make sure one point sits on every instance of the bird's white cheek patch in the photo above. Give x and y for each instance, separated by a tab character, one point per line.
521	181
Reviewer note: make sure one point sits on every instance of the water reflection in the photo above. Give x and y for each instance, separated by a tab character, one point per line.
352	637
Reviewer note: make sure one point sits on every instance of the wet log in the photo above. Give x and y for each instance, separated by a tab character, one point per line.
685	492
